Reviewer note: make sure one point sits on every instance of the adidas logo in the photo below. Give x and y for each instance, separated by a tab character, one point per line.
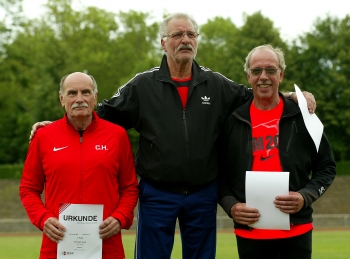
206	100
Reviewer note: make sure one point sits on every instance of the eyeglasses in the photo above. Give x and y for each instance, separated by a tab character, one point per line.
258	70
179	35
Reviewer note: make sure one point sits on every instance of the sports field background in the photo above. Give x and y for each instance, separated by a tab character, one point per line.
331	239
327	244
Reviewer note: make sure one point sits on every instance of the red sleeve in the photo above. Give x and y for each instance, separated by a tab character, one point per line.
128	185
32	186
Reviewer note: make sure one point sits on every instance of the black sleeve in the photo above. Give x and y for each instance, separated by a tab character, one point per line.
225	196
122	108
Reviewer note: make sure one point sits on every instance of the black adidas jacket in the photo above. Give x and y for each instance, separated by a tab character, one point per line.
177	147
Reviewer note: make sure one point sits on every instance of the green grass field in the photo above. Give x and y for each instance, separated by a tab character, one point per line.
326	245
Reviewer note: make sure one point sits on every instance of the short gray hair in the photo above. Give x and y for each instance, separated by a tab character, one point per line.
94	84
278	51
163	27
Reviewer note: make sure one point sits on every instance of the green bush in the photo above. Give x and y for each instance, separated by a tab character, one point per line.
11	171
15	171
343	168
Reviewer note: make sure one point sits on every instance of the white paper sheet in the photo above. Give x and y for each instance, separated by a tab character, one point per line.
81	239
312	122
261	190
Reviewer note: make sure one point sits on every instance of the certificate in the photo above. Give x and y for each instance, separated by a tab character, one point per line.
313	124
261	190
81	239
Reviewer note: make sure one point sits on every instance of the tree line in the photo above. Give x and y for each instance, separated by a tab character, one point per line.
113	47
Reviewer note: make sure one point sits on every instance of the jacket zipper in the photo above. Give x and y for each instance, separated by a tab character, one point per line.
186	132
186	139
81	166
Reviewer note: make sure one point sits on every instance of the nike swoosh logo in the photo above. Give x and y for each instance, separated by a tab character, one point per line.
60	148
265	158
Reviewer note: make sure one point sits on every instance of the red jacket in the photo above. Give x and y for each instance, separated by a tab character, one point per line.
97	168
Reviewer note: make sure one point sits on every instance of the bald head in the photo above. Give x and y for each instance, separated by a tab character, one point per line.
76	76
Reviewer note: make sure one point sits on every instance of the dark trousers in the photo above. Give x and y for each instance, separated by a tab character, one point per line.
299	247
158	212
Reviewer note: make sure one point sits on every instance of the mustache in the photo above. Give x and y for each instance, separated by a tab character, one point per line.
77	105
185	47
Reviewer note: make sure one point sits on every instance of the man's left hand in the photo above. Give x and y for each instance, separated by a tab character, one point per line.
109	227
291	203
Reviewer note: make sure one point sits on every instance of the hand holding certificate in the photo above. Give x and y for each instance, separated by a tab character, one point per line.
261	190
81	239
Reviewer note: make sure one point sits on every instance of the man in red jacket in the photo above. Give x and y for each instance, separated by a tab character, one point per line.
80	159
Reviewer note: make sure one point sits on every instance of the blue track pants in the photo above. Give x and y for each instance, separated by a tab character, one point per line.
158	212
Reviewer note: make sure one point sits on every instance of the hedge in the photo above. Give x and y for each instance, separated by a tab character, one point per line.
15	171
11	171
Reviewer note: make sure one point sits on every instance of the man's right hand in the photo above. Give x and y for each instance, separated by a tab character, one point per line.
243	214
36	126
53	229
